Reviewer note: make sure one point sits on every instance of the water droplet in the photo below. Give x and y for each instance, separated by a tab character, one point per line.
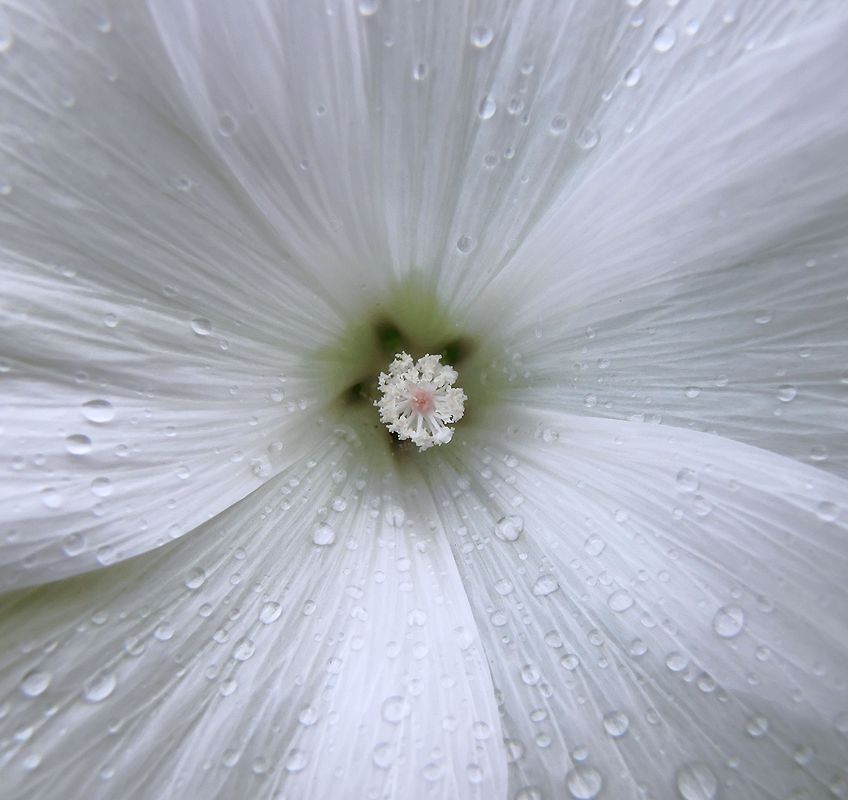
584	782
419	72
827	511
201	326
756	725
545	585
323	535
244	649
677	662
396	709
270	612
51	498
687	481
77	444
487	108
594	545
474	773
99	687
570	661
762	317
664	39
368	8
481	36
509	528
307	716
296	760
696	782
559	124
35	683
227	125
588	138
465	244
632	76
195	579
102	487
786	393
616	723
383	755
98	411
729	621
620	601
73	544
530	674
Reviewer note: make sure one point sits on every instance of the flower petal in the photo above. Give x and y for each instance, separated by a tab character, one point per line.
312	641
662	608
148	321
706	263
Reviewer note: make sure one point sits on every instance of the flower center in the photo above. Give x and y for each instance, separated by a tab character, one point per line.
419	401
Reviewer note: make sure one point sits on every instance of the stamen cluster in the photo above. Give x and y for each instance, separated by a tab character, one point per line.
419	401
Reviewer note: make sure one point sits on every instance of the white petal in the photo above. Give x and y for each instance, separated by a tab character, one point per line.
249	660
671	609
706	264
148	323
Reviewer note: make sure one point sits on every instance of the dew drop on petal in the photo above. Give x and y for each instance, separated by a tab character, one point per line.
481	36
35	683
323	535
786	393
545	585
396	709
244	650
687	481
594	545
296	760
98	411
99	687
270	612
588	138
77	444
201	326
696	782
616	723
664	39
509	528
195	579
465	244
487	108
620	601
583	782
729	621
73	544
632	76
368	8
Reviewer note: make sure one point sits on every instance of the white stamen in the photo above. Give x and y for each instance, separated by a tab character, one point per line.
419	400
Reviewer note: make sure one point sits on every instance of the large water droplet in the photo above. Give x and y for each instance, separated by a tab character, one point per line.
632	76
616	723
687	480
594	545
396	709
588	138
35	683
368	7
487	108
201	326
323	535
696	782
99	687
786	393
729	621
664	39
98	411
270	612
584	782
481	36
620	601
77	444
545	585
509	528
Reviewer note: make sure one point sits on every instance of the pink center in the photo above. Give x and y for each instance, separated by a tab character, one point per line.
422	401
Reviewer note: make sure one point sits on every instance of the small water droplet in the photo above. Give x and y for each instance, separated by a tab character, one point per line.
481	36
296	760
786	393
756	726
323	535
559	124
271	612
545	585
696	782
729	621
73	544
77	444
35	683
98	411
244	650
99	687
487	108
201	326
687	481
584	782
227	125
588	138
396	709
419	72
632	76
594	545
664	39
509	528
465	244
620	601
51	498
195	578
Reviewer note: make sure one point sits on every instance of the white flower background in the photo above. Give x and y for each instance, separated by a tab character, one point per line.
641	207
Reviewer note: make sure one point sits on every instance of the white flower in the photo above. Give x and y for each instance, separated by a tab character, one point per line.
221	221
